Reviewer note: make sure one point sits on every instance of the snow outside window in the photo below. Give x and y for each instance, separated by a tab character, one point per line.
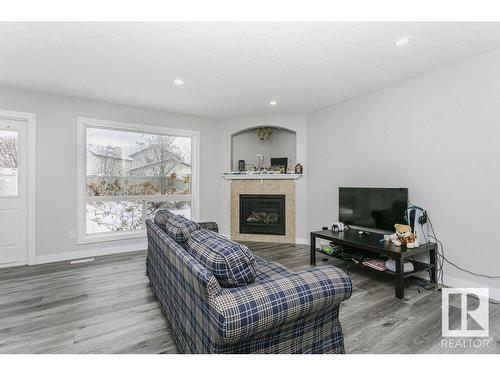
130	174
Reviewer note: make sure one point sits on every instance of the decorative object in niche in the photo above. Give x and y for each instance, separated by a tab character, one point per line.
264	133
279	163
241	165
298	168
260	161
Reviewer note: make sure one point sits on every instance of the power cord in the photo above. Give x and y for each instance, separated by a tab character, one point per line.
461	268
434	237
442	259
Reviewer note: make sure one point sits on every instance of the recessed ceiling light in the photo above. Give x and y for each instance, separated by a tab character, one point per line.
272	103
178	82
403	41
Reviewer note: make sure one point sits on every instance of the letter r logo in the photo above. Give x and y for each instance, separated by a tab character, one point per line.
479	315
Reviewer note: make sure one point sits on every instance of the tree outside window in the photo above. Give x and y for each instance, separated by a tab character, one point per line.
130	175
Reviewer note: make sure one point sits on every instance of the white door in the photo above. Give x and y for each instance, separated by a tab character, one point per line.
13	192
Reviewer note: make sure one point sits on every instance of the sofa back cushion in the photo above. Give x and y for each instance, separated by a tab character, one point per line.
161	217
180	228
232	264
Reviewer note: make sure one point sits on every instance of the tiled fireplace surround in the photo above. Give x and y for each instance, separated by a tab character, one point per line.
285	187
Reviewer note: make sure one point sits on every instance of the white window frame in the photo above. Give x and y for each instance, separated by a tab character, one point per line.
82	124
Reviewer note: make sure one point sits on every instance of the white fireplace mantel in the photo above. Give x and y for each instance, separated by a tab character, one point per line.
261	176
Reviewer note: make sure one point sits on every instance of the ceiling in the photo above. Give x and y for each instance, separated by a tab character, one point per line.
230	69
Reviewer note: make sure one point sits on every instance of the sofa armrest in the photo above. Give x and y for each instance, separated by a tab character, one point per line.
210	225
243	312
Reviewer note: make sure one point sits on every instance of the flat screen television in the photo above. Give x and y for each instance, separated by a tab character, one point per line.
375	208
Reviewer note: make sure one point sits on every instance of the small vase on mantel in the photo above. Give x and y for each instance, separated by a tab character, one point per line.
298	168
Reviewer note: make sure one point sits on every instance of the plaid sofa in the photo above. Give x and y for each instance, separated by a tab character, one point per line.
280	312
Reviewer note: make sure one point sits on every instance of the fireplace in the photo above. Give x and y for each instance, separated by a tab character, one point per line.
262	214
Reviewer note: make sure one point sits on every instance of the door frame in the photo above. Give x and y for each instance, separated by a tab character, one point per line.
30	119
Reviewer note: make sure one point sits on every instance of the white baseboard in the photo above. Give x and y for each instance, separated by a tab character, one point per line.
298	240
12	264
51	258
455	282
61	257
301	241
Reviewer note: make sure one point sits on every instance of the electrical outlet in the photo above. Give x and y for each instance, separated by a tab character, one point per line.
72	234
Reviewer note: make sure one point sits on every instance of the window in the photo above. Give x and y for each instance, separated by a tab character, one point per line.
129	171
8	163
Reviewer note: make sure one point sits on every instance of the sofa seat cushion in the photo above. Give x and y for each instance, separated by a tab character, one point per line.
267	271
232	264
161	217
180	228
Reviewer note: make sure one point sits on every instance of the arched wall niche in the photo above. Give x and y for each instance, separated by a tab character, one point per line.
246	144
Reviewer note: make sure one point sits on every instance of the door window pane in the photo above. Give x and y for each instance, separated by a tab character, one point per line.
8	163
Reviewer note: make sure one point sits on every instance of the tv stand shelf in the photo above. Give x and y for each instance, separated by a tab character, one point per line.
370	245
418	266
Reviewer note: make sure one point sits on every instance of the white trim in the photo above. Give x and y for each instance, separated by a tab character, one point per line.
82	123
195	176
458	283
138	198
151	129
12	264
83	260
60	257
30	119
81	144
261	176
111	236
301	241
298	240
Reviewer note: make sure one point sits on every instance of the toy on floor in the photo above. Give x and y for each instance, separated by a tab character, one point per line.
404	236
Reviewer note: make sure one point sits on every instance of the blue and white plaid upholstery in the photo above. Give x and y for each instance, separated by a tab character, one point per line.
232	264
180	228
295	313
270	270
161	216
210	225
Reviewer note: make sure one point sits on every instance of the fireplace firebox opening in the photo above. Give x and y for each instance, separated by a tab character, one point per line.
262	214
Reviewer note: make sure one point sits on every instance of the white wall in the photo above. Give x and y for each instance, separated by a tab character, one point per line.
246	145
437	134
296	123
56	163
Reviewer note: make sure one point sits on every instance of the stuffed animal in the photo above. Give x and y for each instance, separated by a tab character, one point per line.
404	236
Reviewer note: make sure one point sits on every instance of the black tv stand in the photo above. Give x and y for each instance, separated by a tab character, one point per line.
351	239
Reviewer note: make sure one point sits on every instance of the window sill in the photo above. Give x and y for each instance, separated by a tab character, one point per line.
106	237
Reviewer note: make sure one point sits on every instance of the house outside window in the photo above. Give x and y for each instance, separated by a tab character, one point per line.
127	172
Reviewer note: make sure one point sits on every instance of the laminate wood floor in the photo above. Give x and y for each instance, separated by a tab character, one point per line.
107	307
